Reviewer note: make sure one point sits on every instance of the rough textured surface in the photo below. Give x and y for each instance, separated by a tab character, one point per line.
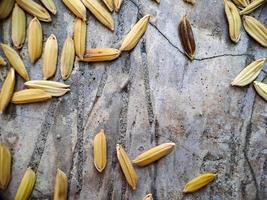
146	97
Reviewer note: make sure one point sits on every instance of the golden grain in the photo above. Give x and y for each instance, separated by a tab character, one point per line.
79	37
5	166
7	90
126	167
35	40
61	186
6	8
30	96
199	182
67	58
50	57
153	154
100	55
26	185
35	9
77	8
100	151
261	89
100	13
50	5
249	73
135	34
15	60
255	29
18	28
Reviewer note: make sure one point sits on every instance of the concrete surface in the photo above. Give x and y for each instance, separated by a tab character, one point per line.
149	96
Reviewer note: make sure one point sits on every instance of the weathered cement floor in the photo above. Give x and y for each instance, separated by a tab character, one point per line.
146	97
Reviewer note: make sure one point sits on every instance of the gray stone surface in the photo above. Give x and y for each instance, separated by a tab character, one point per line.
146	97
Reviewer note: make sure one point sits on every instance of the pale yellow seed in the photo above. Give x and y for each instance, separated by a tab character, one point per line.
61	186
67	58
117	5
26	185
18	28
261	89
77	8
79	37
7	90
6	8
100	55
148	197
109	4
199	182
153	154
5	166
133	37
2	61
30	96
35	9
35	83
50	57
255	29
100	151
100	13
50	5
53	91
249	73
126	167
35	40
15	60
241	3
252	6
234	20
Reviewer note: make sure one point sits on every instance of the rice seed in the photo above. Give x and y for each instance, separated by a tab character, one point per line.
148	197
53	91
6	8
190	1
100	55
5	166
67	58
7	90
79	37
100	13
199	182
15	60
249	73
187	38
109	4
35	9
126	167
30	96
26	185
100	151
153	154
135	34
35	40
50	5
241	3
77	8
252	6
61	186
50	57
117	5
18	28
2	61
36	83
255	29
234	20
261	89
